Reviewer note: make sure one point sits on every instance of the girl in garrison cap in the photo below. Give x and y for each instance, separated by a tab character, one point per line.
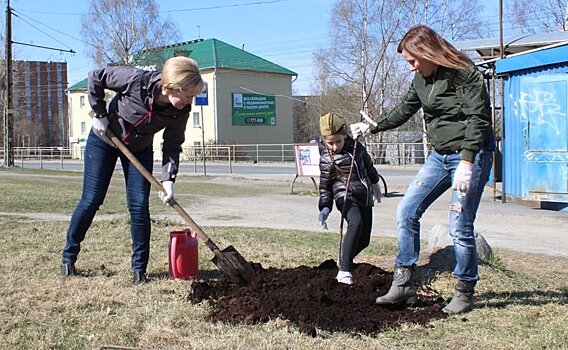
348	177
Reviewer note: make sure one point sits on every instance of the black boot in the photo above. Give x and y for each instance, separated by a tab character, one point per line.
67	270
463	298
139	277
402	290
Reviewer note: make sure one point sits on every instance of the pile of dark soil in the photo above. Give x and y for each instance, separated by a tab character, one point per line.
312	299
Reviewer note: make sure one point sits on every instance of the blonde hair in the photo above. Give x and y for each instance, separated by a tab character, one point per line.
182	73
423	42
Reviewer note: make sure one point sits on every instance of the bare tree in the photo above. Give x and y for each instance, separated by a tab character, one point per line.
365	32
452	19
117	29
362	66
362	32
531	16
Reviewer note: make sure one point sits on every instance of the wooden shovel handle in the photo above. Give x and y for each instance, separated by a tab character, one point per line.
158	186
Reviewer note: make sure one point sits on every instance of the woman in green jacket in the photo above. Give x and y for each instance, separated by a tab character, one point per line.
452	94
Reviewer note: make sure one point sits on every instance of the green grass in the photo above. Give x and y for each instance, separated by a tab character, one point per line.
51	191
521	298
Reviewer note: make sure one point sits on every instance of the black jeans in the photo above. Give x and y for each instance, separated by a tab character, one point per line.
358	234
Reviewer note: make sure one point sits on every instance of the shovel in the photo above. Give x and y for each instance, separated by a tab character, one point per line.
229	260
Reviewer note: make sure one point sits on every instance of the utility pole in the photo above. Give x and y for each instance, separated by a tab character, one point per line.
8	111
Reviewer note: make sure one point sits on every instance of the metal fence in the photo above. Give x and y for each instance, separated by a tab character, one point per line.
381	153
41	154
241	153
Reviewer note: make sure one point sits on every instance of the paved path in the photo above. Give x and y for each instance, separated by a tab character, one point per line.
504	225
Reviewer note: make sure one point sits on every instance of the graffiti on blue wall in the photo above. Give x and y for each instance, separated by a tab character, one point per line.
542	108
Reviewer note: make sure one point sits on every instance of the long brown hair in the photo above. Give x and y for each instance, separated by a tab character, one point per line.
423	42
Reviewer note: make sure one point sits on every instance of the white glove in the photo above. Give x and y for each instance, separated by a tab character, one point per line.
99	127
324	213
169	192
462	177
359	129
377	192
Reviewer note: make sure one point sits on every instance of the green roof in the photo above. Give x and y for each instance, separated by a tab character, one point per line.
82	85
210	54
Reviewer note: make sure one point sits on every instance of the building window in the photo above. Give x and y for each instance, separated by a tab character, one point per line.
82	101
196	120
83	128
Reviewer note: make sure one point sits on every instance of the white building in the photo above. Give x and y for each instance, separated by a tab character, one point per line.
247	97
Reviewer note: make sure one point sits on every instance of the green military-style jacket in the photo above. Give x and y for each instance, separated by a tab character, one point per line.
456	109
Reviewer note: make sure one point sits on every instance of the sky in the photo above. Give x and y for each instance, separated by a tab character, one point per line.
286	32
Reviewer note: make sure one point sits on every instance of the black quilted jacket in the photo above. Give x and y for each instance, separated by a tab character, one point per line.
333	175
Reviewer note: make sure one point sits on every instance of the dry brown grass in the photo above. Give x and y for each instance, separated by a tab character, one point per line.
521	298
521	305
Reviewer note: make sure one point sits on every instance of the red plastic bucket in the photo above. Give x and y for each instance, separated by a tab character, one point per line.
183	254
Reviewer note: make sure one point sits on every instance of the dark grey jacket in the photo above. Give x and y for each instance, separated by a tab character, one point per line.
134	116
334	174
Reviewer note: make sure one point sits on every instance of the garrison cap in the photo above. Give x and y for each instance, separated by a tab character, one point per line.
330	124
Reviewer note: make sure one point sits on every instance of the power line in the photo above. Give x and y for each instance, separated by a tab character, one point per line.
282	49
281	52
179	10
43	47
20	15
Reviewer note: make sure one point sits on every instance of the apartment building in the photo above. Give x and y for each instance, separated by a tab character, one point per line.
40	104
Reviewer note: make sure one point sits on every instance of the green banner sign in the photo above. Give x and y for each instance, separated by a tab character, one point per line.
253	109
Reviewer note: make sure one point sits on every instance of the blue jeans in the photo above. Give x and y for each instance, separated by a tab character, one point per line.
430	183
99	163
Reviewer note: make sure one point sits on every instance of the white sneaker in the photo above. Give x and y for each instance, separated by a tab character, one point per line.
344	277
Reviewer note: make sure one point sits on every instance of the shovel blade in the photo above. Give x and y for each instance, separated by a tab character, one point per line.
233	265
